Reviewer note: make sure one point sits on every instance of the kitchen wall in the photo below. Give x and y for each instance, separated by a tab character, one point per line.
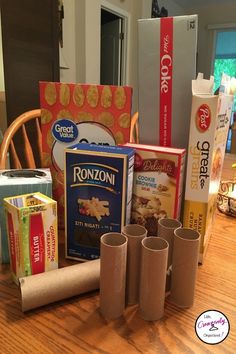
3	116
2	86
171	6
81	34
221	14
83	48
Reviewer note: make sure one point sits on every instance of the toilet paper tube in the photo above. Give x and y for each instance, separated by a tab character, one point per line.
153	278
113	255
184	266
166	227
135	234
44	288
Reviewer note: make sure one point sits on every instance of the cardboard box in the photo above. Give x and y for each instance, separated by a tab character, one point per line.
167	63
157	185
15	182
98	194
79	113
210	119
32	234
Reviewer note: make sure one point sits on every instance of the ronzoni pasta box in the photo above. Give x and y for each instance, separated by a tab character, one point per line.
210	118
157	185
32	234
98	186
79	113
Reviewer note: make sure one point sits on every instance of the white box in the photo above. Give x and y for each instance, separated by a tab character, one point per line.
210	118
167	64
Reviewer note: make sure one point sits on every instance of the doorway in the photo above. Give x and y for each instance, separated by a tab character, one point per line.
112	61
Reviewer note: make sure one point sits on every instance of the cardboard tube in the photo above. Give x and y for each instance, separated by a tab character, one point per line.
153	278
44	288
184	266
135	234
113	255
166	227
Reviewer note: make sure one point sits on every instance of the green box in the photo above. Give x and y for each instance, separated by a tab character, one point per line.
17	182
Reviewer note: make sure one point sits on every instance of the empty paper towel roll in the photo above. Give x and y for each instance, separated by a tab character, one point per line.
44	288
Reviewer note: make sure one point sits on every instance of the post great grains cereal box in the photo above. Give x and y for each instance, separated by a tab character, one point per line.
79	113
31	221
209	126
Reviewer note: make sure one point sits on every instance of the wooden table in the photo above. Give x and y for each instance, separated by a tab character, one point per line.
76	326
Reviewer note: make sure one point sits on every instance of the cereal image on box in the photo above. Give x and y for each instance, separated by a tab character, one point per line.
80	113
98	186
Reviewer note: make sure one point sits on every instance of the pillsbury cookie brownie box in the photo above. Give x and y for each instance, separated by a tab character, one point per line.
76	113
157	185
98	194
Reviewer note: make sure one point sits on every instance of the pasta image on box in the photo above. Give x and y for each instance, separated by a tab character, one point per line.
210	118
98	194
157	185
80	113
32	234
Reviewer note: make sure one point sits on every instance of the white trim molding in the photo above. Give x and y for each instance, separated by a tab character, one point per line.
222	26
126	18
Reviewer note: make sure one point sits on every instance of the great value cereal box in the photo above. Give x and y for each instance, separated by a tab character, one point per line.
210	119
98	194
80	113
157	185
32	234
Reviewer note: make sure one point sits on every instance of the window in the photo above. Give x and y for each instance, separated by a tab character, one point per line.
225	61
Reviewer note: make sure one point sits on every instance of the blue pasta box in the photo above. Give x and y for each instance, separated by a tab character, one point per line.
98	196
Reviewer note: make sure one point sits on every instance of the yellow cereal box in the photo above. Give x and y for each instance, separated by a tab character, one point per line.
31	221
80	113
209	126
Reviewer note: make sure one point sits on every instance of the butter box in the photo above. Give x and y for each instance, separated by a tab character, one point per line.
210	118
167	50
80	113
15	182
98	194
32	234
157	185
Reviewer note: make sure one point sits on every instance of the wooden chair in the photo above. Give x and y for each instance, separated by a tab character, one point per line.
19	126
134	129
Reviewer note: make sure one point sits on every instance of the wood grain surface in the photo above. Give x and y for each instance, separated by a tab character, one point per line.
76	326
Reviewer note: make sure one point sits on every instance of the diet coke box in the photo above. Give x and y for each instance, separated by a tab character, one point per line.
167	65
